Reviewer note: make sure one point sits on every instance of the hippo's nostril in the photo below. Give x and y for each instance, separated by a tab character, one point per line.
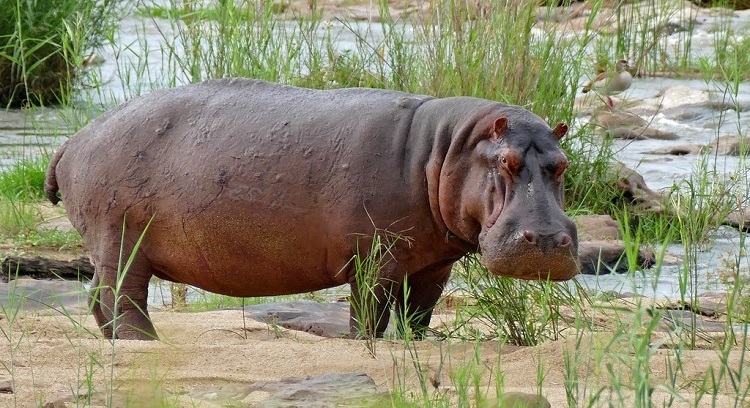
565	240
530	237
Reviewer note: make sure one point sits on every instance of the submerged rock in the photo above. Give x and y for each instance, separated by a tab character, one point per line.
597	227
603	257
620	124
679	150
31	294
635	190
731	145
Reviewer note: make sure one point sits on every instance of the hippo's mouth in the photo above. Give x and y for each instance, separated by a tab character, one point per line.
557	267
494	208
493	217
530	256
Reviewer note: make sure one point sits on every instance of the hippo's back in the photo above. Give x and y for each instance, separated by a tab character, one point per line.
240	136
246	167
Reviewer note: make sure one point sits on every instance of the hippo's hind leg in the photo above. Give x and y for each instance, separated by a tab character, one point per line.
122	292
417	298
96	307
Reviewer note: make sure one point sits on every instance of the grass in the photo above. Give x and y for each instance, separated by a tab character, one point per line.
19	186
55	239
24	178
611	351
42	45
519	312
372	291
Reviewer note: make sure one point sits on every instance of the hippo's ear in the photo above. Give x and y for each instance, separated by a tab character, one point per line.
499	128
560	130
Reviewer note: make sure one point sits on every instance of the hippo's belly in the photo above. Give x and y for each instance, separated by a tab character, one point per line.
247	254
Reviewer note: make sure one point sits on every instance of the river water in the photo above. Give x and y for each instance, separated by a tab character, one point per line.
41	130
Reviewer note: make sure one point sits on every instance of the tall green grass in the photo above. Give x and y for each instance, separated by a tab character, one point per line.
524	313
19	185
43	43
24	178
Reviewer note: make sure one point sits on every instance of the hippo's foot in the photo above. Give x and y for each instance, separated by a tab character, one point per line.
120	315
131	323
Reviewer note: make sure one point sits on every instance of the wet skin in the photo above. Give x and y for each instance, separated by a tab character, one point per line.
255	189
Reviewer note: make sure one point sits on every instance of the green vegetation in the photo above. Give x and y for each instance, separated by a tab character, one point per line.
520	313
42	45
24	179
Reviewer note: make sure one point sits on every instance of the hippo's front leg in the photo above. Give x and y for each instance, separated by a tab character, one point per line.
417	298
370	308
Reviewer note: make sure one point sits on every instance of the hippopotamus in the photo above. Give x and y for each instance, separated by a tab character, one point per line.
248	188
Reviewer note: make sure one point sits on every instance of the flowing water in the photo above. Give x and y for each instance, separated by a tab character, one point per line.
41	130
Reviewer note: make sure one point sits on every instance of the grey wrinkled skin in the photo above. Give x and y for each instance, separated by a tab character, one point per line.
256	189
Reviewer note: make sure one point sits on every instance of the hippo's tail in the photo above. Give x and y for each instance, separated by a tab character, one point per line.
50	180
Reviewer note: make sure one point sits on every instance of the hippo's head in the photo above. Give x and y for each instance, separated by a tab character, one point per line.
511	198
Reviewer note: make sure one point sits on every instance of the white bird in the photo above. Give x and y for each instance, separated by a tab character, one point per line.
611	83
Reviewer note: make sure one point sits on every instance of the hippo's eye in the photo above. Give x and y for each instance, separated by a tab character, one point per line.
560	168
510	162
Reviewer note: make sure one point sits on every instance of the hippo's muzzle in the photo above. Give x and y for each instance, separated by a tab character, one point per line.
546	253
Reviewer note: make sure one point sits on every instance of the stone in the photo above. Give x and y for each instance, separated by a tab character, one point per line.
597	227
626	133
620	124
6	387
733	4
731	145
671	319
739	219
640	134
673	97
709	306
58	403
604	257
520	399
618	119
325	390
635	190
681	102
517	400
38	267
32	294
679	150
321	319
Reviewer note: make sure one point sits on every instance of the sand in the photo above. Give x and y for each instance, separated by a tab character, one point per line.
214	359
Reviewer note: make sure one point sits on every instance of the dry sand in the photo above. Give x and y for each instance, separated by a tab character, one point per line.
213	359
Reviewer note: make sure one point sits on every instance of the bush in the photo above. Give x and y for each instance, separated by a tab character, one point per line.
43	42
